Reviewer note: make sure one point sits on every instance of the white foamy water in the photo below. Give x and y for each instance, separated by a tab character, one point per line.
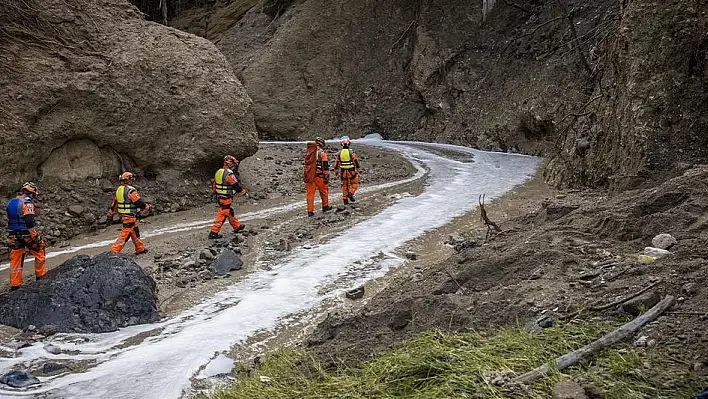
162	364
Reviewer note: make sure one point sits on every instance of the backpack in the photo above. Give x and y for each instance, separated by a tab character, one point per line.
310	162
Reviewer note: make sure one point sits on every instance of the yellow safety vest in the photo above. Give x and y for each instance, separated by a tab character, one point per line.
125	205
345	159
222	187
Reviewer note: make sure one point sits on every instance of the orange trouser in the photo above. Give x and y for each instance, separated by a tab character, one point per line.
130	231
350	182
225	211
319	185
18	245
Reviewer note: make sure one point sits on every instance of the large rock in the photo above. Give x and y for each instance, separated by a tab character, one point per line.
663	241
226	262
92	87
85	294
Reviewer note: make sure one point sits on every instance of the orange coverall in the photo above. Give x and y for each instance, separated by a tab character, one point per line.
23	237
348	173
127	202
225	186
320	183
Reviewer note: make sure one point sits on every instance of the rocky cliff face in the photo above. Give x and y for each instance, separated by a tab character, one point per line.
418	70
608	89
92	88
648	116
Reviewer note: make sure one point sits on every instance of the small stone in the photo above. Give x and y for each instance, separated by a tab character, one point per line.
341	208
568	390
690	289
593	392
49	368
31	327
103	220
641	341
545	322
106	186
47	330
657	253
410	255
239	238
265	379
561	196
76	210
663	241
53	349
356	293
206	254
190	264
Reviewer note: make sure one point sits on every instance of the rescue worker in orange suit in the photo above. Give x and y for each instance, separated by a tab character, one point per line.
225	186
320	181
129	205
348	166
23	236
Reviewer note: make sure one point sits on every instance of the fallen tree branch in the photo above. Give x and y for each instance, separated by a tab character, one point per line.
455	281
625	299
612	338
485	218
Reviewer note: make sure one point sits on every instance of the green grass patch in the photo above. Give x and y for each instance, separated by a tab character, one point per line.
441	365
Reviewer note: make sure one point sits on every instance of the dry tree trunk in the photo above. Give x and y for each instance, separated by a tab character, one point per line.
612	338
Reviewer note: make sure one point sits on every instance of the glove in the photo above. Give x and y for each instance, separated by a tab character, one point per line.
245	193
146	211
110	215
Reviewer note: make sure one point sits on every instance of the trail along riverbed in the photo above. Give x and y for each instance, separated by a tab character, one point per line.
161	365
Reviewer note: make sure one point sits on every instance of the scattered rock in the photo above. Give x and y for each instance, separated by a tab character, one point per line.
663	241
18	379
76	210
410	255
657	253
49	368
206	254
641	341
47	330
593	392
53	349
545	322
106	186
265	379
239	238
568	390
189	264
341	208
99	294
356	293
226	262
690	289
636	306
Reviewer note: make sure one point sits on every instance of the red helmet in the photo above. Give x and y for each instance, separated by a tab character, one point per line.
30	188
230	161
320	141
127	177
345	142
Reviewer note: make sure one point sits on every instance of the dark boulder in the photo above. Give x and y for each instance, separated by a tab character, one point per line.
226	262
18	379
85	294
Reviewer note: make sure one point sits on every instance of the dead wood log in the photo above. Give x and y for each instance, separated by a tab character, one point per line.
612	338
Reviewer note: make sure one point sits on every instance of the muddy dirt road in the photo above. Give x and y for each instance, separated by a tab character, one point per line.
295	267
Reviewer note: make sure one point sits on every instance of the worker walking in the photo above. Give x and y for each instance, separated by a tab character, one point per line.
23	236
129	205
316	176
225	186
348	166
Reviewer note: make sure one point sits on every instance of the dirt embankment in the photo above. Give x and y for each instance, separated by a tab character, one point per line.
541	270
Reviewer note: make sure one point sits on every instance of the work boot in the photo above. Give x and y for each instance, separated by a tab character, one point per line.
241	227
310	214
351	198
326	208
346	201
38	278
214	236
14	288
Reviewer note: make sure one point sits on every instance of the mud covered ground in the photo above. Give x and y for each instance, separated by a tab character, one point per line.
541	270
